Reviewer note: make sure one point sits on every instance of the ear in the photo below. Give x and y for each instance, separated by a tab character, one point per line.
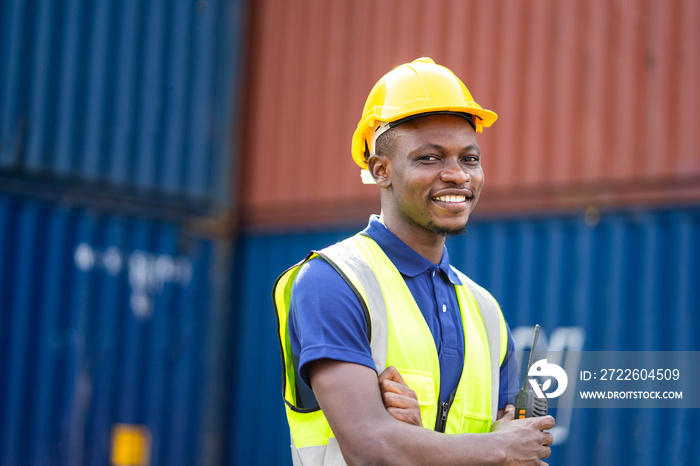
380	168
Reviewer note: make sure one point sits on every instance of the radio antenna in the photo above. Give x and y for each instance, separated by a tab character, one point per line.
532	353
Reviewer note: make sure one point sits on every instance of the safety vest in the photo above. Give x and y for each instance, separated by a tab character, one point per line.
399	337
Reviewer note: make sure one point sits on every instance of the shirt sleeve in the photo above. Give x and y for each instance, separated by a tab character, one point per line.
509	384
326	319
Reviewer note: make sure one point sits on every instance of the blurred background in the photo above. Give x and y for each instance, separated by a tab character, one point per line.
162	162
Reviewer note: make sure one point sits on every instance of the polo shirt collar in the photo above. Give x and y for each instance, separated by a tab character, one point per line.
406	260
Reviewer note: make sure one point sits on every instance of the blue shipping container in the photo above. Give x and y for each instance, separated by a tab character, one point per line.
622	281
104	321
132	97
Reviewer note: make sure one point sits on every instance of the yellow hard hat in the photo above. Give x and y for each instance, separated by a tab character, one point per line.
410	89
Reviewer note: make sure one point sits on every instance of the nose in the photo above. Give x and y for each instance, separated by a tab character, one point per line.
454	173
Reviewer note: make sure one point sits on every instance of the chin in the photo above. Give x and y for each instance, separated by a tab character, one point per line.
448	230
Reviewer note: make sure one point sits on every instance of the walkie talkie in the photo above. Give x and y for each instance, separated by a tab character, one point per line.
527	404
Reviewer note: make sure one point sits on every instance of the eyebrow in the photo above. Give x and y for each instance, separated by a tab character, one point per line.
431	145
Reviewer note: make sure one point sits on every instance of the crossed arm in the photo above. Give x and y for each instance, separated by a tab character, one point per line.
376	421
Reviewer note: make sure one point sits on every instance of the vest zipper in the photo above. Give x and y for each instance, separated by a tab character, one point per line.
443	410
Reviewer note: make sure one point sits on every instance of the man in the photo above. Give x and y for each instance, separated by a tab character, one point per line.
386	348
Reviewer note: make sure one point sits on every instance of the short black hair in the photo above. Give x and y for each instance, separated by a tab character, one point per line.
385	142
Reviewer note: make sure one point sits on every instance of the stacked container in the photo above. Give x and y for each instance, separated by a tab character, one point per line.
589	220
115	143
136	325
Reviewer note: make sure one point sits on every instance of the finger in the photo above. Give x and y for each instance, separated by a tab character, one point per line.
399	401
545	422
548	439
546	451
509	413
403	415
393	374
389	386
390	380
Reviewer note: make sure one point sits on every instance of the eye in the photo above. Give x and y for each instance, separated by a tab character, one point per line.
471	159
428	158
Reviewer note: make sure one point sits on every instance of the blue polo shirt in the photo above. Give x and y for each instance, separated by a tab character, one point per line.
327	321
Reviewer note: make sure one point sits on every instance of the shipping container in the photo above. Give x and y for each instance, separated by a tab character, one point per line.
597	100
622	280
107	338
130	99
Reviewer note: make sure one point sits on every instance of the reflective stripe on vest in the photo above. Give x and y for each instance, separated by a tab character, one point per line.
370	274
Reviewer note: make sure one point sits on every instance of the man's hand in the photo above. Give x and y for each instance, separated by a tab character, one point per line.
523	439
399	400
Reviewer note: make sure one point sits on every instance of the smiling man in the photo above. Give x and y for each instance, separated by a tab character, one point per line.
431	173
391	355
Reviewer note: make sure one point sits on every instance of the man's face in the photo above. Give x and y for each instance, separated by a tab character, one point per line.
435	174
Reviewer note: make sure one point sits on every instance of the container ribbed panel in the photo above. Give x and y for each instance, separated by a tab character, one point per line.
597	100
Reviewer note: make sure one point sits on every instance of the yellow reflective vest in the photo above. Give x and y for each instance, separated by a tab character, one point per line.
399	337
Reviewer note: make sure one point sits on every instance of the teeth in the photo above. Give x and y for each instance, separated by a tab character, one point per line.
451	198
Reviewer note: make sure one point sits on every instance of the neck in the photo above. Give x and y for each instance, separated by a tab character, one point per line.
426	243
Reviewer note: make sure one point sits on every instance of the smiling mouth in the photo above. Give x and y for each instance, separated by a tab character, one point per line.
451	199
455	203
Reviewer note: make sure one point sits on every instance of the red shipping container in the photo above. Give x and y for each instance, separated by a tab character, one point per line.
598	101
